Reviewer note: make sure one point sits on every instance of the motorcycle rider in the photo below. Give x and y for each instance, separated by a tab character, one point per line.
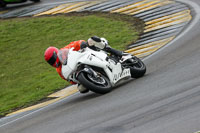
94	43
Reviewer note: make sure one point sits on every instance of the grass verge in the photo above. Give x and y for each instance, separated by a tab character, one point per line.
25	78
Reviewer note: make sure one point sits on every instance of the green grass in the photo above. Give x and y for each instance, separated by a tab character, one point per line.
25	77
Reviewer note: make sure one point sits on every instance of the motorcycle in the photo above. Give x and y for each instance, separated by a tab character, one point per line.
97	70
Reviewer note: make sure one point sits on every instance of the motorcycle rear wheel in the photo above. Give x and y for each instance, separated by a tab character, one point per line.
137	67
101	85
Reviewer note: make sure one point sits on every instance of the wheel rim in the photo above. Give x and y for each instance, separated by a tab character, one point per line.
97	80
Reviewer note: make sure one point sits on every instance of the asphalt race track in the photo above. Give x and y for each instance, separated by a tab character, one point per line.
165	100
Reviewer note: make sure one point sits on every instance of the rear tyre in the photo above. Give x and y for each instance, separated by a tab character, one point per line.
2	4
99	84
137	67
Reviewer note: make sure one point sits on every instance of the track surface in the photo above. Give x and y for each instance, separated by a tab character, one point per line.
166	100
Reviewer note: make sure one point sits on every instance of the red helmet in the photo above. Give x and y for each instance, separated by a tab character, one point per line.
51	57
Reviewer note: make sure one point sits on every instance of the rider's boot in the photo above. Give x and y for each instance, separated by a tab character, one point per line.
82	89
114	51
121	55
125	56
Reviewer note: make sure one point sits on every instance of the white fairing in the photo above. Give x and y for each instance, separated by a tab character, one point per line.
73	58
90	57
66	71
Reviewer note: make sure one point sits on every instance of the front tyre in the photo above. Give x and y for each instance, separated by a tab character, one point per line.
99	84
137	67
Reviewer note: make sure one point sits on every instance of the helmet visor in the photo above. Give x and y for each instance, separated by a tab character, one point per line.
63	56
53	58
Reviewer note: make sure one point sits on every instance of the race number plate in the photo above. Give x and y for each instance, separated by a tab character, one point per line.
125	73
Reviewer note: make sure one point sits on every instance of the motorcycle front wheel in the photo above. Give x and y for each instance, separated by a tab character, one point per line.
100	84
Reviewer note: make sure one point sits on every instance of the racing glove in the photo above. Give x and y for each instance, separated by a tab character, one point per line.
83	45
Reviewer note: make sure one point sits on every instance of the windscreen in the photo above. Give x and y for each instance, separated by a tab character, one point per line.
63	55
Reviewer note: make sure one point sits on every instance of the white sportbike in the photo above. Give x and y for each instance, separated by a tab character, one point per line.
97	70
